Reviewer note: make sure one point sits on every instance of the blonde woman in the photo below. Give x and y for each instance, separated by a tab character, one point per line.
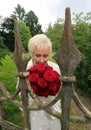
40	48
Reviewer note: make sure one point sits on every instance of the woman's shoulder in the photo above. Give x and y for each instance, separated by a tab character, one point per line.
52	63
55	66
29	64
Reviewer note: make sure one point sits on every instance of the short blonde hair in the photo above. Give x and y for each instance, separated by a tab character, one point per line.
40	41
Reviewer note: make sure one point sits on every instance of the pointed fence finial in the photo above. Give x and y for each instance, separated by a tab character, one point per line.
68	56
19	50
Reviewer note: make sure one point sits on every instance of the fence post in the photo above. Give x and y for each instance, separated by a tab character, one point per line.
2	113
68	57
21	66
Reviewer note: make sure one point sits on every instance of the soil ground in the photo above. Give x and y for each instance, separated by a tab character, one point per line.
76	111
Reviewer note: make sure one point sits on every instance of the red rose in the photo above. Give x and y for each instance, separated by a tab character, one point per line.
32	69
59	84
53	93
56	75
49	68
49	76
44	92
41	68
33	77
41	82
53	86
35	89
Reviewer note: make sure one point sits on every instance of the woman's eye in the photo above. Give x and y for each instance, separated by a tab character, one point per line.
38	55
45	55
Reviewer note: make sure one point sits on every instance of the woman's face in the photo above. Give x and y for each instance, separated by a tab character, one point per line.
41	55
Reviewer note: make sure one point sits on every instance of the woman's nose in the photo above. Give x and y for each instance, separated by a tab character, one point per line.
41	60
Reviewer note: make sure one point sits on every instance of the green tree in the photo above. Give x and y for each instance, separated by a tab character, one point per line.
19	12
7	26
24	33
82	35
3	49
31	20
55	33
2	46
7	32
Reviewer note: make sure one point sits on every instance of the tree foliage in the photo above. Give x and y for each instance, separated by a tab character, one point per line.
8	77
24	33
82	35
2	46
7	27
31	20
55	33
7	32
19	12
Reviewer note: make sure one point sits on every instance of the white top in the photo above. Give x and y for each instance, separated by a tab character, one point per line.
40	120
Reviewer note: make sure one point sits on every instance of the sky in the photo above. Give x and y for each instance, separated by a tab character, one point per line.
47	11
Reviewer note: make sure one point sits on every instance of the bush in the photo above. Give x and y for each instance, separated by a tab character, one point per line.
3	53
8	78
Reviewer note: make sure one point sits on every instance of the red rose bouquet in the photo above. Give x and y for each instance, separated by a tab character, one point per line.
44	80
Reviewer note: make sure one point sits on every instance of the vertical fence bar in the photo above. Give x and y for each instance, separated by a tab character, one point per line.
68	57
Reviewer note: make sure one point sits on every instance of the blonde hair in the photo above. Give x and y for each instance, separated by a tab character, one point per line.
40	41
